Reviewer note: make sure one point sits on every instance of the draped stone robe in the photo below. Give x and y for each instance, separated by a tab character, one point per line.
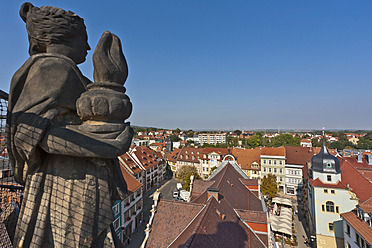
67	200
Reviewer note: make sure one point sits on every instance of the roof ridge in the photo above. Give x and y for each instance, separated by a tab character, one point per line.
252	231
198	225
182	202
187	226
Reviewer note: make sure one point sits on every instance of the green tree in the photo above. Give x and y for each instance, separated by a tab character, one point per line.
185	173
212	170
177	130
238	132
190	133
254	141
285	140
269	186
174	138
365	142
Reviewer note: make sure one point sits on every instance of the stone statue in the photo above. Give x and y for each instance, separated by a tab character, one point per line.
64	133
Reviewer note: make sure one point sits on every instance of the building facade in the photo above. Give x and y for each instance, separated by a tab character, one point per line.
273	162
327	198
212	138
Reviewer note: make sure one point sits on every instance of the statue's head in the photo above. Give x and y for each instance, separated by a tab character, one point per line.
55	30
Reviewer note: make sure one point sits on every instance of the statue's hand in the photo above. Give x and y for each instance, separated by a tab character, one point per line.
109	62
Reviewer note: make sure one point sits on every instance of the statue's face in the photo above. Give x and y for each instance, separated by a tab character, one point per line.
78	47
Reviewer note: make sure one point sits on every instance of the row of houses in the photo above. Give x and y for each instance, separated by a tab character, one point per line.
285	163
142	168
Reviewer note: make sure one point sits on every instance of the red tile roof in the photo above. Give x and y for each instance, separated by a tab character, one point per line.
130	162
199	186
233	190
363	166
273	151
359	184
359	225
298	155
246	157
318	183
147	157
172	156
252	216
217	224
171	218
367	205
132	183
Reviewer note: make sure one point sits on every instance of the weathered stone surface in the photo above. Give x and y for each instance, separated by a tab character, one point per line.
68	164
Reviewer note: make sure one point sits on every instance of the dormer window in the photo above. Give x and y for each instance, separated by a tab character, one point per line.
329	178
329	165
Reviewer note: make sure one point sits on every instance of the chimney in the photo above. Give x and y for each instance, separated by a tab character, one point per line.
360	158
369	159
214	192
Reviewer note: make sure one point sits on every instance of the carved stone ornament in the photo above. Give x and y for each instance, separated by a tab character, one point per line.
64	133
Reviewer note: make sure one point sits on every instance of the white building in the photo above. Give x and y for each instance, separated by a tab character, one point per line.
212	138
327	198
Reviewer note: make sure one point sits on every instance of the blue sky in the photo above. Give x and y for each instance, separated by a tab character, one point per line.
228	64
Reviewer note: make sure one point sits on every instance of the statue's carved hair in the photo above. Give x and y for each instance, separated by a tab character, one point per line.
49	25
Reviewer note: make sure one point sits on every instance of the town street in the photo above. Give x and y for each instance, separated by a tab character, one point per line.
166	188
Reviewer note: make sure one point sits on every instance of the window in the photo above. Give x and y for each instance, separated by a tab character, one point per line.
348	229
330	207
117	223
281	179
329	178
281	170
269	170
359	240
264	169
337	209
274	161
330	227
323	207
274	170
269	161
280	162
325	191
116	209
329	165
332	191
264	161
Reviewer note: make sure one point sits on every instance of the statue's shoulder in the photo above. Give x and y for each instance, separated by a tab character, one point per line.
50	61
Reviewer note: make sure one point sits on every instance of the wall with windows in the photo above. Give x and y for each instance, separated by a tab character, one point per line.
274	165
329	204
131	213
293	179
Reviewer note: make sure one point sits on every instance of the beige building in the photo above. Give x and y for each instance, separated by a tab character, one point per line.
273	162
212	138
249	161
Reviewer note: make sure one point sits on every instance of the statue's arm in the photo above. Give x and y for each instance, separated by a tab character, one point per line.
73	142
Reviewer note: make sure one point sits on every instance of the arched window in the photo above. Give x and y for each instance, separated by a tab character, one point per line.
330	206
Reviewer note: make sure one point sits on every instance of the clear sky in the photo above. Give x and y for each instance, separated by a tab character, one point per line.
215	64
